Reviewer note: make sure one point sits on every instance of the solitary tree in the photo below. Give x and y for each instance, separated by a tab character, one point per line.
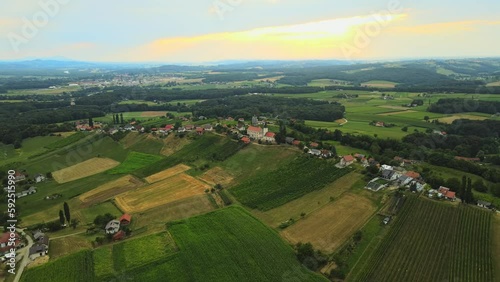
121	118
66	212
74	223
61	217
91	122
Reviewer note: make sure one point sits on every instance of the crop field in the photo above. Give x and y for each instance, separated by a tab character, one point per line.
177	210
379	83
308	203
206	148
167	173
131	254
84	169
289	182
216	175
134	161
67	245
175	188
144	143
66	141
88	214
76	267
103	261
110	189
432	241
153	114
451	119
329	227
252	252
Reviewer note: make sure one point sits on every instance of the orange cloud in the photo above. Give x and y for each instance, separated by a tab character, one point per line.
319	39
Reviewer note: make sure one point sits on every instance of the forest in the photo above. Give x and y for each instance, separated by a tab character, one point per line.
455	105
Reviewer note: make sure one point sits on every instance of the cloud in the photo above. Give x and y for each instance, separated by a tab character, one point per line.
445	27
319	40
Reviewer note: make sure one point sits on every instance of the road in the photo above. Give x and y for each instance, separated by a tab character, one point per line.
24	253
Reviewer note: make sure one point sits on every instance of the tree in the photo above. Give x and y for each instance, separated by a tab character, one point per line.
61	217
426	118
121	118
375	148
177	125
479	186
48	175
463	188
66	212
469	197
405	129
74	223
453	183
91	122
114	119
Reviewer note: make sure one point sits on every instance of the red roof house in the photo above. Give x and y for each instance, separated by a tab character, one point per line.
296	142
200	130
245	140
413	174
119	235
4	240
254	129
125	219
314	145
447	193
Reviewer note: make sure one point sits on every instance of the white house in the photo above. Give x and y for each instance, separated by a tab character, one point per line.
347	160
256	132
112	227
39	178
269	137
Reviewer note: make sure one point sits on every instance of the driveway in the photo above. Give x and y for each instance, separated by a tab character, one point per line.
24	254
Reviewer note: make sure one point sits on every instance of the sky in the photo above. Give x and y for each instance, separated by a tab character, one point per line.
201	31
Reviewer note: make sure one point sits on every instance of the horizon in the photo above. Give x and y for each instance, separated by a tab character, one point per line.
288	30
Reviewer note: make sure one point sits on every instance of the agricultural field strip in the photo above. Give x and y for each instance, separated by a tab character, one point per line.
84	169
180	168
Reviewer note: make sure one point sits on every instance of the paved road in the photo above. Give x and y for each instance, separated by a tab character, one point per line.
24	253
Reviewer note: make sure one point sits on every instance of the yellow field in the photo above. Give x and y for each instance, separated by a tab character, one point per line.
67	134
384	84
496	83
216	175
84	169
397	113
341	121
452	118
180	186
153	114
180	168
328	228
110	189
272	79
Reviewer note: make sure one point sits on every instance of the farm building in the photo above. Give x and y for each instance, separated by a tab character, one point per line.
314	145
208	127
125	219
200	130
289	140
315	152
296	142
39	178
37	251
484	204
413	174
112	227
245	140
390	174
4	240
375	186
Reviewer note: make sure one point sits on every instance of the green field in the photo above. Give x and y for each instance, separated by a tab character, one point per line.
288	182
204	149
231	245
431	241
75	268
87	215
134	161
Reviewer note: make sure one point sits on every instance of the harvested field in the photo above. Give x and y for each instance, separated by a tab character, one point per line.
329	227
397	113
452	118
341	121
167	173
216	175
110	190
153	114
180	186
176	210
84	169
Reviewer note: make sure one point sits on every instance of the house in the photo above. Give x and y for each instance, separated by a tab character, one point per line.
245	140
181	129
446	193
390	174
38	234
374	185
240	126
125	219
404	180
387	167
208	127
379	124
386	220
347	160
296	142
256	132
413	174
128	127
359	156
314	145
289	140
200	130
168	128
364	162
37	251
39	178
326	153
139	128
112	227
483	204
315	152
120	235
19	176
189	127
4	242
269	137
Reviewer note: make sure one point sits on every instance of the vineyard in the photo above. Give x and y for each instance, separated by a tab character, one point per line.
76	267
432	241
289	182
